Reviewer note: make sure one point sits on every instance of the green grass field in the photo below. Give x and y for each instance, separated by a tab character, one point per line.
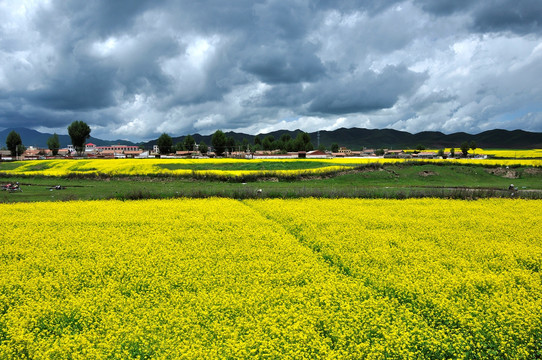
383	181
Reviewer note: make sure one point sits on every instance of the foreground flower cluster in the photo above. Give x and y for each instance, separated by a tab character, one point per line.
307	278
219	167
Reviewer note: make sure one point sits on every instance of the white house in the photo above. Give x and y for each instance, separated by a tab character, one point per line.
90	147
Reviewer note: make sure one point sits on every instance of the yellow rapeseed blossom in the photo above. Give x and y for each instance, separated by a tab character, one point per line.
288	279
189	167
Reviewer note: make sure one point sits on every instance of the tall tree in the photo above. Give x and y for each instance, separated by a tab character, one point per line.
179	146
218	140
189	142
13	140
79	132
472	145
465	148
285	137
303	142
203	148
244	145
165	143
230	144
267	142
53	143
334	147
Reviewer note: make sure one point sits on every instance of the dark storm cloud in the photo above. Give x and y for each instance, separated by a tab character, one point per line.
523	16
445	7
281	95
281	64
371	7
367	92
99	18
83	89
16	112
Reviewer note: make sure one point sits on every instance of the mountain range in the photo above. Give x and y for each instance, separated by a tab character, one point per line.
356	138
353	138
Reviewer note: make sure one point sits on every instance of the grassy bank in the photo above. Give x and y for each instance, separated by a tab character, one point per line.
382	181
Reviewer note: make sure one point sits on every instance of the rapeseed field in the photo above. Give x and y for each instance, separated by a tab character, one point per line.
189	167
273	279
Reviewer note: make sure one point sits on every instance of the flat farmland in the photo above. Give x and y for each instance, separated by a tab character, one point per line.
271	278
225	168
139	179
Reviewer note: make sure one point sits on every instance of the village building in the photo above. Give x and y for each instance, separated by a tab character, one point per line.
397	154
426	155
90	148
344	150
117	148
5	155
317	154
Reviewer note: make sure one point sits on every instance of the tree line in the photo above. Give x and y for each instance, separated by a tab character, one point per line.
223	143
79	132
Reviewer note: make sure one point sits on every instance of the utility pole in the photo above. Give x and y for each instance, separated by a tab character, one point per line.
318	137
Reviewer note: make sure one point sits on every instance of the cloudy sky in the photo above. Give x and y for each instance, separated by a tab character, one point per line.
133	69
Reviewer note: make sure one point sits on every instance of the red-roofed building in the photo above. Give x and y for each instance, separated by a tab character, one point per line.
117	148
90	147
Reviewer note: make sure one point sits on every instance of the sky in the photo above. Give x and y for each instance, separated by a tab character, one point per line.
133	69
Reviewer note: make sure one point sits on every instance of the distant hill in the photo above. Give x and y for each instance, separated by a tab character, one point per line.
37	139
356	138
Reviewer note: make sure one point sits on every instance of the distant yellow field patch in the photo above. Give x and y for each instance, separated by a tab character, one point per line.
159	167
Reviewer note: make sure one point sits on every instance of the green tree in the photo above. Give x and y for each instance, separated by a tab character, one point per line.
244	144
306	137
230	144
379	152
334	147
322	147
179	146
218	141
290	145
441	153
13	140
420	147
53	143
302	142
465	148
189	142
21	149
267	142
257	140
452	152
285	138
472	145
203	148
165	143
79	132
